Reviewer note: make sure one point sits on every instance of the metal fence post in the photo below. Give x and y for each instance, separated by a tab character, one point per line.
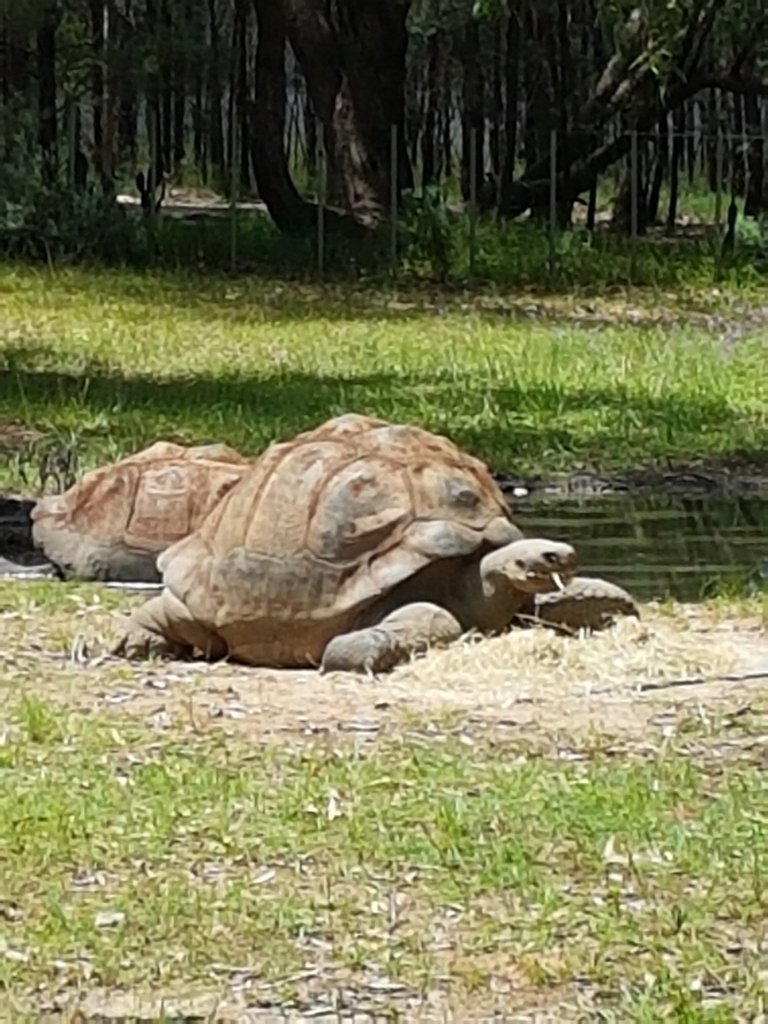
718	164
472	198
633	185
321	189
393	164
552	198
72	142
234	187
634	195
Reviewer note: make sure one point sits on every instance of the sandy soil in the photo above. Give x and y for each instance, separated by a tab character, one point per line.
531	681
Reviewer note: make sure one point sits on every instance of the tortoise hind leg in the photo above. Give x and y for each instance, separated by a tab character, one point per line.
586	602
163	627
405	631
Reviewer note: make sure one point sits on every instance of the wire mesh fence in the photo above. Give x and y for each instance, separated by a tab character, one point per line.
629	185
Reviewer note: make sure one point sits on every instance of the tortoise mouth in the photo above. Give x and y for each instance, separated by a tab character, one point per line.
542	580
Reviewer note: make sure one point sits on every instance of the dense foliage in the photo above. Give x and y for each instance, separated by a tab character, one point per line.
290	99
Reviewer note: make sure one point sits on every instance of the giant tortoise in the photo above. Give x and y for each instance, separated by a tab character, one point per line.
352	546
113	523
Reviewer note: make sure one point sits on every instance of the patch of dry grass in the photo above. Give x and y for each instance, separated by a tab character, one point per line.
56	636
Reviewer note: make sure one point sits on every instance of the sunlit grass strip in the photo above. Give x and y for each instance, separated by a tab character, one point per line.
110	362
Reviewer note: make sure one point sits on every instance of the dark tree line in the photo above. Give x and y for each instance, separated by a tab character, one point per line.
93	88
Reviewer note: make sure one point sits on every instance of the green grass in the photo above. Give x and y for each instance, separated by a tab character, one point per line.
152	861
109	361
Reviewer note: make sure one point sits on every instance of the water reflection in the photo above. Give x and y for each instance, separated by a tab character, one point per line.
660	545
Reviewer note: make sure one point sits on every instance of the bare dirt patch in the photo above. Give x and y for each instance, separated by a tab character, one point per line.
505	995
617	682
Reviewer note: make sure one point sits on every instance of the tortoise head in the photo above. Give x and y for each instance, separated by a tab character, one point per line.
533	566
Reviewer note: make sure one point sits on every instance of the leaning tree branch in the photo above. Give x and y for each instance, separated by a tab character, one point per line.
704	24
580	175
578	166
747	51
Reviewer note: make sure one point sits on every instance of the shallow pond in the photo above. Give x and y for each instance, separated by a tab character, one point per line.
659	545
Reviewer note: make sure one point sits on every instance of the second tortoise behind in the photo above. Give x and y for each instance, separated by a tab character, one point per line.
351	547
114	522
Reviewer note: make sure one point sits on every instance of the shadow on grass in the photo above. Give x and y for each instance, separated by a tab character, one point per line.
516	428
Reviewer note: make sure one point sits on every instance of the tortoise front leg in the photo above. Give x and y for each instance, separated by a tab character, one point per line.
406	631
163	627
586	602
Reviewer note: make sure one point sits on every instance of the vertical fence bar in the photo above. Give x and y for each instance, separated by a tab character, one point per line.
472	198
393	164
633	185
634	195
718	165
552	198
152	177
719	160
234	187
321	190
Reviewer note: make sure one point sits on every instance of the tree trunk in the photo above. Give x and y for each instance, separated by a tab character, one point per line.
15	76
310	134
355	71
243	96
690	141
198	102
678	122
538	100
472	122
429	141
497	106
166	57
312	39
216	127
109	123
126	94
711	141
754	200
179	103
46	79
232	110
512	82
371	101
737	160
446	146
97	77
288	210
154	111
659	169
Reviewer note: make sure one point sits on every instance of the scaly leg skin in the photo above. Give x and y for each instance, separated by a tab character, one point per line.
408	630
585	602
163	627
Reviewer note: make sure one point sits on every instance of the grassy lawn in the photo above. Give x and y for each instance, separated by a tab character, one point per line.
105	362
473	874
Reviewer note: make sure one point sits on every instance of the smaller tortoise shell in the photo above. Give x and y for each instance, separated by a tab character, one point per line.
142	503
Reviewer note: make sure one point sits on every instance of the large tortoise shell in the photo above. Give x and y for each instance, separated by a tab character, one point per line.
322	525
